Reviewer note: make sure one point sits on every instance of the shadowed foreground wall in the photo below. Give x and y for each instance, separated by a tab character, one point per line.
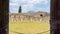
55	17
4	4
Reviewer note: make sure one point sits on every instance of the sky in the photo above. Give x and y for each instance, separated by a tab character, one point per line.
29	5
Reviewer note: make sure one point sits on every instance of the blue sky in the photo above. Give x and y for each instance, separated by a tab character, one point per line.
29	5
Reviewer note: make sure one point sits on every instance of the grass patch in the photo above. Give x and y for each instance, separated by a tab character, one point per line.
28	27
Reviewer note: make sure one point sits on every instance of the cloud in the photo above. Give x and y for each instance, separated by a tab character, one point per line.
30	4
26	8
26	4
12	4
14	0
34	1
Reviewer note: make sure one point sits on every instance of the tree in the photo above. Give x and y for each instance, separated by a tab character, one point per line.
20	9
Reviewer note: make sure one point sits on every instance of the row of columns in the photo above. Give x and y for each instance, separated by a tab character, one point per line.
24	19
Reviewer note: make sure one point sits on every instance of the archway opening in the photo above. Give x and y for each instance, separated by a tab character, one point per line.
31	13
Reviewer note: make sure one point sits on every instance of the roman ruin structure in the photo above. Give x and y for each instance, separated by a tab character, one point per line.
34	17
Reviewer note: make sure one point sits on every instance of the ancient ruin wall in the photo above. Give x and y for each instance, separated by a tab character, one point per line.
36	17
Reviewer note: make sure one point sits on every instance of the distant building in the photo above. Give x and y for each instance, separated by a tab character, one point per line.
33	17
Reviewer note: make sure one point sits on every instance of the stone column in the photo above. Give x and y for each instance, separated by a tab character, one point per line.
55	17
4	18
